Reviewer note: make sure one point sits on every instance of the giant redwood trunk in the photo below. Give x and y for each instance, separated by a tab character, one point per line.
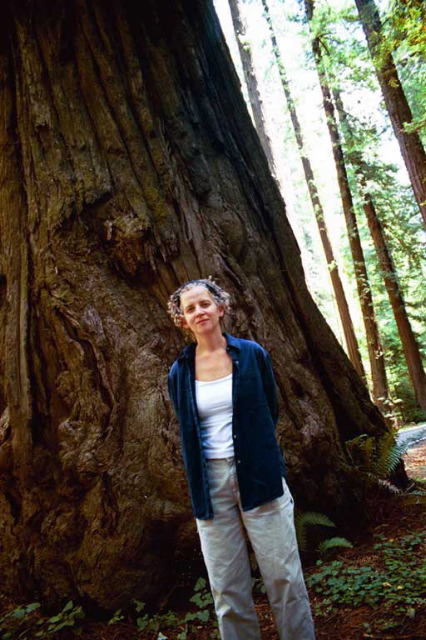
128	164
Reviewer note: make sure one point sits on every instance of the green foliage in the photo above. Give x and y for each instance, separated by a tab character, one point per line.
331	544
203	600
347	63
153	623
404	236
117	617
404	28
26	622
19	622
69	618
201	613
377	457
396	582
305	519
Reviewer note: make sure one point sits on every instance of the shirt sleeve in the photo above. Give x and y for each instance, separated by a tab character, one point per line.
171	388
269	384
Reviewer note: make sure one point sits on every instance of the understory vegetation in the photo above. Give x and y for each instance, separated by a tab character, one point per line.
377	589
395	579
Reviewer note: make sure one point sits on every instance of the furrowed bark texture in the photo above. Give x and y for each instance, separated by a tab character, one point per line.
128	164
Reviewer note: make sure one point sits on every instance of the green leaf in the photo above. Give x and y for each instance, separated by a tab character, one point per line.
203	616
197	599
18	614
334	543
139	606
190	617
200	584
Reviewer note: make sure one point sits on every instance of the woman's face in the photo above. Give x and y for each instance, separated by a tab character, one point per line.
201	313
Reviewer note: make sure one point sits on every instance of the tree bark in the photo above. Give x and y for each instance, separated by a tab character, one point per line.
410	347
380	389
129	164
396	102
339	293
409	343
251	81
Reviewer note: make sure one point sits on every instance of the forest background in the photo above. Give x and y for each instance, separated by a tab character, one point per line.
350	70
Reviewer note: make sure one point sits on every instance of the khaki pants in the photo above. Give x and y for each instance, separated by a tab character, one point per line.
270	529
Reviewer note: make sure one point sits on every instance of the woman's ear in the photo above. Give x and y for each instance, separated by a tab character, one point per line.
221	310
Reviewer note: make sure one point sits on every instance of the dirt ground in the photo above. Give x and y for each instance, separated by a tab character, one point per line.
345	623
415	461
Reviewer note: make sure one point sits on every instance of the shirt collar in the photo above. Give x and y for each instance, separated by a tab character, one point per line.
232	344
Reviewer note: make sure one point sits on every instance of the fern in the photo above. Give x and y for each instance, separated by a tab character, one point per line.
303	520
378	457
389	455
388	486
333	543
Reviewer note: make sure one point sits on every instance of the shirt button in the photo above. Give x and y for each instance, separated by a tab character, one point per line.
235	437
238	461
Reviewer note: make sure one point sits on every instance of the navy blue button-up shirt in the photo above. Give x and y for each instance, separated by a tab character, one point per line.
260	465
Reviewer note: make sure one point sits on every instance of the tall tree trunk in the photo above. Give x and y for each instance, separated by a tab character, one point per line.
396	102
410	347
375	351
342	304
128	164
251	81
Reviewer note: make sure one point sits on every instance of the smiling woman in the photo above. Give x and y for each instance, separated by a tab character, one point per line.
223	391
201	314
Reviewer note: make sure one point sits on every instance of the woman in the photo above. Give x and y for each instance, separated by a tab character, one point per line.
223	392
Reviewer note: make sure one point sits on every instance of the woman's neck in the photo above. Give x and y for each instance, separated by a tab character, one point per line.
211	342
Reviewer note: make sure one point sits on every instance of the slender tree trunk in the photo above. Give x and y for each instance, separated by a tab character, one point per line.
342	304
251	81
396	102
408	340
375	350
129	163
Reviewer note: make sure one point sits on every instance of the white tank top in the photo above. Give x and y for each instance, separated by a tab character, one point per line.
214	404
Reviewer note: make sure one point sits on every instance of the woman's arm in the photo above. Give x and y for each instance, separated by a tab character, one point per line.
171	385
269	384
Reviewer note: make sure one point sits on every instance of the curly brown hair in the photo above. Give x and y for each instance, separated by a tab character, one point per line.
220	296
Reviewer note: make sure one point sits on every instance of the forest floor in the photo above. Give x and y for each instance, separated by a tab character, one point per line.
374	591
